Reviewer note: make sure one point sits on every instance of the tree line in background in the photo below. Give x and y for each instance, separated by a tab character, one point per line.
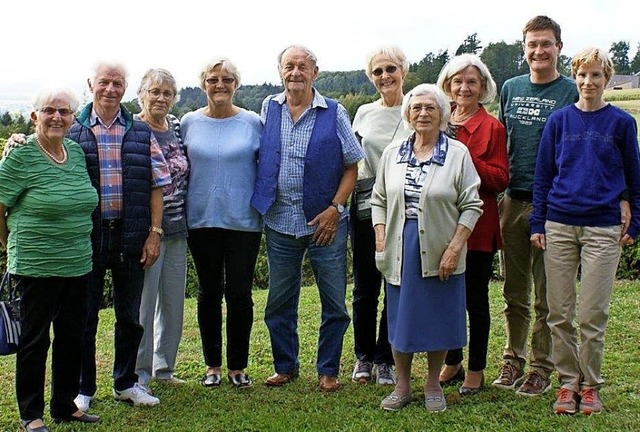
352	89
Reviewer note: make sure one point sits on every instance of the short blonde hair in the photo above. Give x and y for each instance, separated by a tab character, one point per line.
393	53
460	63
427	89
225	64
589	56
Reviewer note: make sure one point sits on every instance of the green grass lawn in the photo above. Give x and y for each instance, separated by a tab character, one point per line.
301	406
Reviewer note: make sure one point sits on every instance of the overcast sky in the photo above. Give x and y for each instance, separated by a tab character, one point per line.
59	42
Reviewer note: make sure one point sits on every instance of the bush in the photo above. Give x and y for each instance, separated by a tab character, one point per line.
628	267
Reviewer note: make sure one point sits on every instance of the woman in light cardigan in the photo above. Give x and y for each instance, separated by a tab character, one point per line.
425	204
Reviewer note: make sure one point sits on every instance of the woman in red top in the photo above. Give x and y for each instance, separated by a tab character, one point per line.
468	82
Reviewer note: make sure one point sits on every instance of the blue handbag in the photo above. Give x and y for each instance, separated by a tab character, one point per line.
9	317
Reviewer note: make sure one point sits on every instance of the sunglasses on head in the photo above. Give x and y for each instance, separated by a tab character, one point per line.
389	69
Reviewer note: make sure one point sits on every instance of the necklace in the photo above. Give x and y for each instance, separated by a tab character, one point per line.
52	157
464	118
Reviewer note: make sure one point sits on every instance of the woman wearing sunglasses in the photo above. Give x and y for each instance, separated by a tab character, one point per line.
376	125
46	200
222	142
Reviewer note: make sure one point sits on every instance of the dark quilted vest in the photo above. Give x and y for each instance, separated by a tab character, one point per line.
136	181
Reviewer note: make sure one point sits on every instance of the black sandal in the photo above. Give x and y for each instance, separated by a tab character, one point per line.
26	425
240	381
211	380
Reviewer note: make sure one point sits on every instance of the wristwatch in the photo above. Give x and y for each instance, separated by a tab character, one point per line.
158	230
338	207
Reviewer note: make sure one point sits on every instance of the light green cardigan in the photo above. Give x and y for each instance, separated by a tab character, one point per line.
449	197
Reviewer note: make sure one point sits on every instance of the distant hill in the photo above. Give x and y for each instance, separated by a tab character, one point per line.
333	84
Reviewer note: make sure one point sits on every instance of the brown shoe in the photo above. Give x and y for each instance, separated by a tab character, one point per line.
329	383
281	379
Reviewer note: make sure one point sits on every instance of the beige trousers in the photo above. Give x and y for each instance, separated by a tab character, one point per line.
597	252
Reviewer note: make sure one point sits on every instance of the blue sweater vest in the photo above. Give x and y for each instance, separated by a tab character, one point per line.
136	178
323	168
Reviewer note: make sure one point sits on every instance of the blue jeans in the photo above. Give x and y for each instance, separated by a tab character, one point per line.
329	264
128	279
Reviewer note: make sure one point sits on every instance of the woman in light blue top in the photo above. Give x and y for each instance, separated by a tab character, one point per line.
222	142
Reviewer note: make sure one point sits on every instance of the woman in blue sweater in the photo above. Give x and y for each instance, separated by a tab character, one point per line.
222	142
587	161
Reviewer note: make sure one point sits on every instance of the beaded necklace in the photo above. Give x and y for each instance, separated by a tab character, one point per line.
52	157
462	119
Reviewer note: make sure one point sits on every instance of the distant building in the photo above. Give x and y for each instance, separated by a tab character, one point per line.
623	82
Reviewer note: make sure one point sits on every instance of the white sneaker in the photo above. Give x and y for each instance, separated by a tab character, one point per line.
83	402
385	375
146	388
362	371
135	396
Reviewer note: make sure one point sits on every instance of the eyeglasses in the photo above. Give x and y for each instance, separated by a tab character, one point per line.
389	69
155	93
214	81
417	108
64	112
544	45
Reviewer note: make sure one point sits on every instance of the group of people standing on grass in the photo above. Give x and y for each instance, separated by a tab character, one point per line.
427	167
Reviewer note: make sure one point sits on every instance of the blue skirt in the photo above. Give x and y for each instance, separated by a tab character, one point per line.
424	314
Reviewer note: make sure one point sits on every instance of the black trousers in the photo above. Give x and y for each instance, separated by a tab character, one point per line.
366	291
127	276
477	277
225	261
61	301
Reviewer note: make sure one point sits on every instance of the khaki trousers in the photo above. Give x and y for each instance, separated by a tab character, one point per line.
522	262
597	252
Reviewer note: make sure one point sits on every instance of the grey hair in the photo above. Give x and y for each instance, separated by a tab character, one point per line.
432	90
393	53
225	64
47	94
460	63
110	65
310	55
159	77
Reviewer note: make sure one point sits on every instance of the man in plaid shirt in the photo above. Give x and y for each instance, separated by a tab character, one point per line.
127	168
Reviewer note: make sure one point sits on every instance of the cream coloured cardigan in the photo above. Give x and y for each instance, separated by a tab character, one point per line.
449	197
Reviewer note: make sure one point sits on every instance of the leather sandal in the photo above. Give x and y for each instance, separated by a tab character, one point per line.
26	425
240	381
211	380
